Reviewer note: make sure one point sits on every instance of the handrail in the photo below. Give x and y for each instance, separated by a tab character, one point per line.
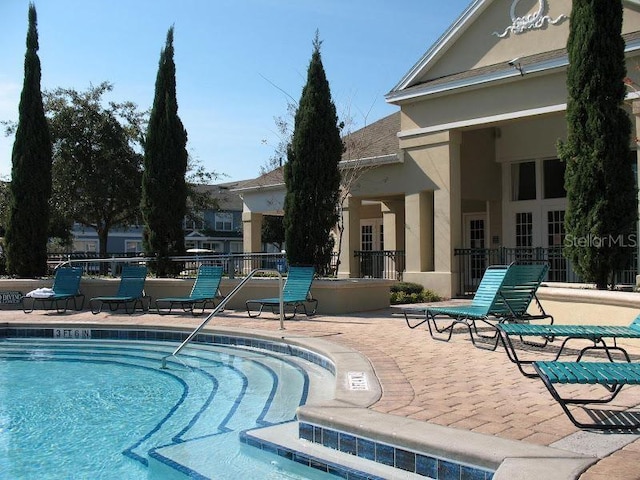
223	303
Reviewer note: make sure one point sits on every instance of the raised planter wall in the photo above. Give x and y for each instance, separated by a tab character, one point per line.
334	296
588	306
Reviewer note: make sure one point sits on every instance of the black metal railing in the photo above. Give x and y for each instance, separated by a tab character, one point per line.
233	264
472	262
388	264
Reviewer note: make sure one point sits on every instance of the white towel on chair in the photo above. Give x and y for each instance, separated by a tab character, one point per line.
41	293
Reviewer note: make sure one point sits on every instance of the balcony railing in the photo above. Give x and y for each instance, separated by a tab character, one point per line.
472	262
388	264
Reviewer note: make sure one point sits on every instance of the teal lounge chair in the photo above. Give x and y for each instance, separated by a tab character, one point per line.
66	287
519	291
485	301
206	288
595	334
130	292
612	376
296	293
504	295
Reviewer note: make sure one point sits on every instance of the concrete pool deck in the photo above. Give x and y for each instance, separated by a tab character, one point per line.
489	409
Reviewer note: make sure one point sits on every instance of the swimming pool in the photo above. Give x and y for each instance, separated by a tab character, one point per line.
102	409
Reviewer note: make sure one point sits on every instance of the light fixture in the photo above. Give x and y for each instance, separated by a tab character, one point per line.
515	63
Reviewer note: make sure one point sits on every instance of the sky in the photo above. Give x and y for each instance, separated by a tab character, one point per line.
238	62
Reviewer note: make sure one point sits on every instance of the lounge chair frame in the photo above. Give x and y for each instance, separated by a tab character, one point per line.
66	287
504	295
130	292
595	334
612	376
296	293
205	290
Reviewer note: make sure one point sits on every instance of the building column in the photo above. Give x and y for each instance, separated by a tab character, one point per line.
635	108
350	238
419	222
393	225
251	237
252	232
448	212
433	215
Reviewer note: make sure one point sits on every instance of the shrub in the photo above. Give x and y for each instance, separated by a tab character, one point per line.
407	292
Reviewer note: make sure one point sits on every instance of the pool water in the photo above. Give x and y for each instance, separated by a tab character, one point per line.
97	409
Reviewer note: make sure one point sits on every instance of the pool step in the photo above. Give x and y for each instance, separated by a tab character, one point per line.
209	458
201	369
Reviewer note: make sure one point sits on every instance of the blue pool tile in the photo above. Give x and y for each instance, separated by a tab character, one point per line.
323	467
357	476
302	459
366	449
405	460
286	453
330	439
448	470
470	473
305	431
317	434
426	466
348	443
268	447
338	472
385	454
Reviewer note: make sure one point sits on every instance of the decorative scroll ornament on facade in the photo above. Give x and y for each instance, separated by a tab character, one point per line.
529	22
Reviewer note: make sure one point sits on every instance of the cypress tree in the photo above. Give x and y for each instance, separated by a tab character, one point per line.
601	193
164	188
30	189
311	174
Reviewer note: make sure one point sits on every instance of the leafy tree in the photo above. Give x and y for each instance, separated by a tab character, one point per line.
30	189
273	231
311	173
97	170
5	199
601	194
164	189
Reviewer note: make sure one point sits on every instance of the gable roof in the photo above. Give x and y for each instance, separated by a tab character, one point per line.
416	82
271	179
374	144
378	139
225	194
438	49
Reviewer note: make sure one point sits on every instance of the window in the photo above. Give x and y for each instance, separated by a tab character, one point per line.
133	246
91	247
553	174
555	226
189	223
223	222
523	181
524	229
555	240
367	238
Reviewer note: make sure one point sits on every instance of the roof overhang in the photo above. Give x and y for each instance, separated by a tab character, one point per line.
370	162
487	76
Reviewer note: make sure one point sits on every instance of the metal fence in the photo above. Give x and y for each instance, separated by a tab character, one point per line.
233	264
387	264
472	262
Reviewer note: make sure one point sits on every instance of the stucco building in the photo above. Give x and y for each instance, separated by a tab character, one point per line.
474	161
